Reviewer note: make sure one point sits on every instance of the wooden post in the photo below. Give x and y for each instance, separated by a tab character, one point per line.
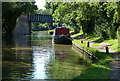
81	41
88	44
107	50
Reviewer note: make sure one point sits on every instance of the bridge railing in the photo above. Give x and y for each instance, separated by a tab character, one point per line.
40	18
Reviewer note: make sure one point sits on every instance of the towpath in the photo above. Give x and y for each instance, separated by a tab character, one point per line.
115	64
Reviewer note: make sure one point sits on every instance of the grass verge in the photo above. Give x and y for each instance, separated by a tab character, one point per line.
113	42
95	45
98	70
50	30
78	34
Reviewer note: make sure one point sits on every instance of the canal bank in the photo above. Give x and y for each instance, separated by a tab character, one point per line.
90	56
100	69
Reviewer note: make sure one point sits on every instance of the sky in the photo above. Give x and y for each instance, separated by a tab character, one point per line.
40	4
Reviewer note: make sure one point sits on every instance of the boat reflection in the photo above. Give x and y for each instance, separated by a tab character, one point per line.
62	51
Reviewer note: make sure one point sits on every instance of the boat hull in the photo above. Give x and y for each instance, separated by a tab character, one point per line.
62	40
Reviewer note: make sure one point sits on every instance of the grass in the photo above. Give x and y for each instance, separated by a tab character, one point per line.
72	31
96	52
78	42
114	44
95	72
50	30
95	45
100	69
93	38
76	35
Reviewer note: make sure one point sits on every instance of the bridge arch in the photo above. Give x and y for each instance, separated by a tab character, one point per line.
26	20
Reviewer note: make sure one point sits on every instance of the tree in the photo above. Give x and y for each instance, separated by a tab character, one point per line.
11	11
98	18
52	5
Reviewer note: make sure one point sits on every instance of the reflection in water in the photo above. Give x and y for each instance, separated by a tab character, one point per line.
22	46
17	57
41	54
41	60
62	51
66	63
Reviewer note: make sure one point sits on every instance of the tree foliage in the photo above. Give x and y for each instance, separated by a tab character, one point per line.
11	11
98	18
42	26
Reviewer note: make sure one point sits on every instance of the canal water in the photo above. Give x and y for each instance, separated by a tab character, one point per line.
33	57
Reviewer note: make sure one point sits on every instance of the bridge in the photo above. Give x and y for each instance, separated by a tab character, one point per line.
43	18
24	22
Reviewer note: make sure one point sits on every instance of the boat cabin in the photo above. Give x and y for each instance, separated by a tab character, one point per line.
62	36
61	31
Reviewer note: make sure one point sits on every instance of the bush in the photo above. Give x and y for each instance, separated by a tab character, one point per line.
105	30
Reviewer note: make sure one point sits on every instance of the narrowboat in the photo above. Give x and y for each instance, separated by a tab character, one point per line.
61	35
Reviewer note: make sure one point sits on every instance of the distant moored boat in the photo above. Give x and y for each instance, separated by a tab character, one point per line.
61	35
